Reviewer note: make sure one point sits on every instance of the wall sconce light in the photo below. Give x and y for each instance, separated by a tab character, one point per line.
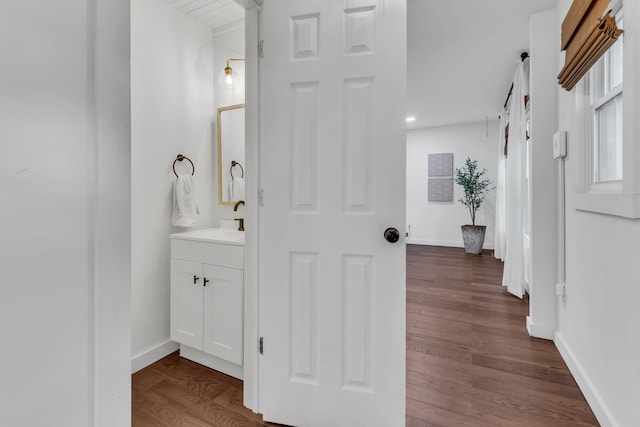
229	79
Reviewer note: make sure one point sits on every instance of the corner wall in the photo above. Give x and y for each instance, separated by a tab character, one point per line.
438	223
172	112
598	317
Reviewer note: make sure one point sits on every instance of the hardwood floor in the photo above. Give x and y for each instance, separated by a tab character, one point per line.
470	361
177	392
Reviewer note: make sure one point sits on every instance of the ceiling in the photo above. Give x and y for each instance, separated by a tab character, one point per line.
461	54
461	57
219	15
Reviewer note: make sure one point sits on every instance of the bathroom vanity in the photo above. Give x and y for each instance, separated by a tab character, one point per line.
207	297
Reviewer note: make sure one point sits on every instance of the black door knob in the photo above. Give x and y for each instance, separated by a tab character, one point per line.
391	235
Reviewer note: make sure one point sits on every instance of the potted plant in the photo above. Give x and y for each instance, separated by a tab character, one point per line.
475	187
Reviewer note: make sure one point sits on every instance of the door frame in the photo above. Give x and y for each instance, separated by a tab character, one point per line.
252	223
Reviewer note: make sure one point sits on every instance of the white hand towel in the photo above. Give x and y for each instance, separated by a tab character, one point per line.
185	208
236	189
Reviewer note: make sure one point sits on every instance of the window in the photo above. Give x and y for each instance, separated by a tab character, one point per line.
606	104
607	127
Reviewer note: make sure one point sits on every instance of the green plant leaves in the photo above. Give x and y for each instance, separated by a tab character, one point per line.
474	184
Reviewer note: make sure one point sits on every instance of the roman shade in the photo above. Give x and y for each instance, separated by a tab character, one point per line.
587	32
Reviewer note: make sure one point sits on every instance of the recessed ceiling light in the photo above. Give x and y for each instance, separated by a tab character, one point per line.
410	119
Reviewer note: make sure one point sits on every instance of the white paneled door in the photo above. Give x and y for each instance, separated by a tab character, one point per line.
333	174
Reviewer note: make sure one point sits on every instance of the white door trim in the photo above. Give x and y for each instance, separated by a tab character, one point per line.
251	261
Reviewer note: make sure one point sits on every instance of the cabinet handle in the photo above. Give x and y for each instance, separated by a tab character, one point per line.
195	279
206	281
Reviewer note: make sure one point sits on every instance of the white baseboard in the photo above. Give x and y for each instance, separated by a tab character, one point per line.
598	406
152	355
539	330
451	244
213	362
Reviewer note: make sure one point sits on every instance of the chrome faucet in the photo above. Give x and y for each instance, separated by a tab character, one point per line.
240	220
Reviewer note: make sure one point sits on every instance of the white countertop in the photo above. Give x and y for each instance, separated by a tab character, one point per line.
225	236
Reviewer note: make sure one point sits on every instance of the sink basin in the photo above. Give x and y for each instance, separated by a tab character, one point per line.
215	235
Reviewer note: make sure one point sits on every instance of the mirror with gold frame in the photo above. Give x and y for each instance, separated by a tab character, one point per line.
230	154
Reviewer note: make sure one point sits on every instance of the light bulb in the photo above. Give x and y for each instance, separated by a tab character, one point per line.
229	79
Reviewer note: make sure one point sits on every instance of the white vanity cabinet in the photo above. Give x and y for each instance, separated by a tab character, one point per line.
207	299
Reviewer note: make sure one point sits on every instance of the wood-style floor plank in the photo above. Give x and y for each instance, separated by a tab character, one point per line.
470	361
177	392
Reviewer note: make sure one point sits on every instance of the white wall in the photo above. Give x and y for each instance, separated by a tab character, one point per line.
172	112
64	252
438	223
599	317
544	46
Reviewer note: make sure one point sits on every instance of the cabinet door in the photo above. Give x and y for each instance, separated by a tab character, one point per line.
186	303
223	313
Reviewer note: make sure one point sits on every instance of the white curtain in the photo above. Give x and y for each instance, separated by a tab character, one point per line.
513	276
500	238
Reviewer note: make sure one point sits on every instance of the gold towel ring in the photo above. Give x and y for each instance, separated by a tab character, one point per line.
181	158
234	163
